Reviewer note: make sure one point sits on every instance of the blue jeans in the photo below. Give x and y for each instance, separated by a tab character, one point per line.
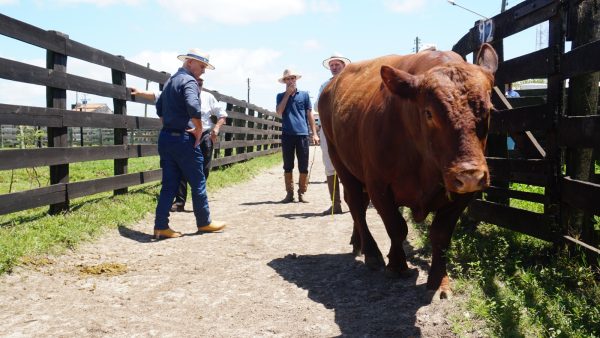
295	145
179	159
206	146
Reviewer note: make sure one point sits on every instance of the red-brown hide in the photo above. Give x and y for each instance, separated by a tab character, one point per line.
410	131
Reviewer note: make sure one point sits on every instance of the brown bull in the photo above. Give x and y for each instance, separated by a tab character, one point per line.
410	131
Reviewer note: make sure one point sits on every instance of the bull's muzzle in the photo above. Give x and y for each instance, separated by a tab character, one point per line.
469	178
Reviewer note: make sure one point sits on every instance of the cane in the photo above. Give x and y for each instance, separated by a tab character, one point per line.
311	165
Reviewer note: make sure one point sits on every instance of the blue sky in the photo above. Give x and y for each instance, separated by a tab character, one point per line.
254	39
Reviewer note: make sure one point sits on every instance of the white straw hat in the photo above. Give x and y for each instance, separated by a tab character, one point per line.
338	57
196	54
288	73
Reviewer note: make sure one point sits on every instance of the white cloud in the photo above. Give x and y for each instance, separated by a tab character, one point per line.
19	93
405	6
234	11
8	2
324	6
311	44
101	3
232	69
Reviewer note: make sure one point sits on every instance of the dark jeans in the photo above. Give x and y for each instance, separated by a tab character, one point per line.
297	145
180	159
206	146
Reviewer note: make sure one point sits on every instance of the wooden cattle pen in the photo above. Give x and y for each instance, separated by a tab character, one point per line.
250	131
557	135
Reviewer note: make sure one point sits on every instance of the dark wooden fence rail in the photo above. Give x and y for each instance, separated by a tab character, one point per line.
542	129
248	127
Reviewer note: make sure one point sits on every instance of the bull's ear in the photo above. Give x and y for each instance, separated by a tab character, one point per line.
400	82
487	58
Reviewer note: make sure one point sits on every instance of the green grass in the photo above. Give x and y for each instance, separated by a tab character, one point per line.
523	287
518	286
31	178
29	235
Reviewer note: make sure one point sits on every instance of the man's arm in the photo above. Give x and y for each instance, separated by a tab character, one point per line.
192	102
197	131
313	126
215	131
146	94
281	106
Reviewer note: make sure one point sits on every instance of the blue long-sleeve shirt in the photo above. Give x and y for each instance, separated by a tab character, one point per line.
179	100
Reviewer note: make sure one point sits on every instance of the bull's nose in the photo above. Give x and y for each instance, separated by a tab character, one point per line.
470	181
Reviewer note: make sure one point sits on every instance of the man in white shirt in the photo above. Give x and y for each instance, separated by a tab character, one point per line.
336	63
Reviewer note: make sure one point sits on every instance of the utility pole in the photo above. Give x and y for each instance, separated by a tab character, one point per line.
503	6
248	90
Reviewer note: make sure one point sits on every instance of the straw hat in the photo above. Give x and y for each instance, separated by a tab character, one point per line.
197	55
338	57
288	73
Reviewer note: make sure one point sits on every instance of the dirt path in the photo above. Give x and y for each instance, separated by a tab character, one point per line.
277	270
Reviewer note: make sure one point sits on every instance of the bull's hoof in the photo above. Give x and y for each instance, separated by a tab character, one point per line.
437	295
400	274
356	251
374	263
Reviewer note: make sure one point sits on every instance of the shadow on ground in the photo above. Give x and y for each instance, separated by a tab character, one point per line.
365	302
135	235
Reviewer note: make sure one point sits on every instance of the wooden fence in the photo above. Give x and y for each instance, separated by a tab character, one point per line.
250	131
545	130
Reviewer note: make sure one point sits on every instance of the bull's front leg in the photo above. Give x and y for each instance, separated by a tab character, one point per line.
440	234
397	230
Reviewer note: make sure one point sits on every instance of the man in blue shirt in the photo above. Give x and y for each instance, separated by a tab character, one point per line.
296	111
510	92
178	144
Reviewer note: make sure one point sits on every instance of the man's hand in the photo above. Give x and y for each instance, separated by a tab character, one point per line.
197	132
291	89
213	134
315	139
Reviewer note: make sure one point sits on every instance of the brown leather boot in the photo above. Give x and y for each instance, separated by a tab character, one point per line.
302	187
334	194
289	187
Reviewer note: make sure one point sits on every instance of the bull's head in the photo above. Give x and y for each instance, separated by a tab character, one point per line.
453	113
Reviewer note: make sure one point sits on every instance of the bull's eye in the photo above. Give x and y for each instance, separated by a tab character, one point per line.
428	114
482	129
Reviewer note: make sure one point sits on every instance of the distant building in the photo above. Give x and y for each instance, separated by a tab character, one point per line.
92	108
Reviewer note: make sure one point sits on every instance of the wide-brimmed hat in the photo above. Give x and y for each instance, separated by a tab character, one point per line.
338	57
288	73
196	54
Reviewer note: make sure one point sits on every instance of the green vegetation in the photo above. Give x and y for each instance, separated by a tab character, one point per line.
26	236
31	178
519	286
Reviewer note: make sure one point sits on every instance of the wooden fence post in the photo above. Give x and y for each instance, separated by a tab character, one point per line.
57	136
555	98
240	136
121	138
250	137
228	136
582	101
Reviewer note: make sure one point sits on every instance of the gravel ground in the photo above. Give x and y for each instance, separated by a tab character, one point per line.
278	270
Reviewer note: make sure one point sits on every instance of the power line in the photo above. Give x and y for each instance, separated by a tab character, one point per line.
453	3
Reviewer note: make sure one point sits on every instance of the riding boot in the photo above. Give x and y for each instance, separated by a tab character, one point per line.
302	187
334	195
289	187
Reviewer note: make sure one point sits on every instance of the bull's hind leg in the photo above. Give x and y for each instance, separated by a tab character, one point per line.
355	239
358	201
397	230
440	234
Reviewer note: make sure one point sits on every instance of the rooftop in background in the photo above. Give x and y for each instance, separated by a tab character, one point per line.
92	108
